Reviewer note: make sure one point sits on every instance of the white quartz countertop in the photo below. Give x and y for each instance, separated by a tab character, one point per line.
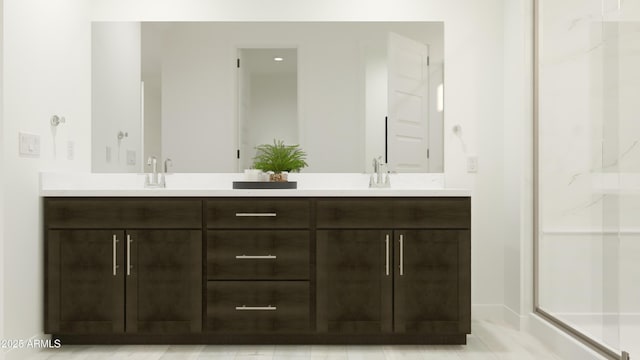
220	185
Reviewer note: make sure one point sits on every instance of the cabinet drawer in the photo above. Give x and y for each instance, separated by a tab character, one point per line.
155	213
432	213
258	213
257	306
354	213
398	213
258	255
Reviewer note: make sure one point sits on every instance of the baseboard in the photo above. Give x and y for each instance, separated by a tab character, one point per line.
498	313
512	318
565	346
492	312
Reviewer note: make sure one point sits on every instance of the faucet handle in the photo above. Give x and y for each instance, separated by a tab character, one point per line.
167	163
377	163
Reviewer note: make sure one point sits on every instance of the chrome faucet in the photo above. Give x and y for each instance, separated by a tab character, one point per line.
154	179
167	163
378	181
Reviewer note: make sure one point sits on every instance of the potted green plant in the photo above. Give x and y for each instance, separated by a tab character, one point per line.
279	159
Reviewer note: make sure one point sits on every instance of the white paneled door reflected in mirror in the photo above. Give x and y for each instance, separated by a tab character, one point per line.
347	92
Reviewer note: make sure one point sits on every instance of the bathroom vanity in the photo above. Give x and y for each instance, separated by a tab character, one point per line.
258	267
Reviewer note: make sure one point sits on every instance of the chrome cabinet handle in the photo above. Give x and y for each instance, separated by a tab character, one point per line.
386	242
256	308
250	257
256	214
401	255
115	251
129	254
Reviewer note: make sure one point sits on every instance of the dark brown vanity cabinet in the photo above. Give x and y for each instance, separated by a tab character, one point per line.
142	277
258	270
403	270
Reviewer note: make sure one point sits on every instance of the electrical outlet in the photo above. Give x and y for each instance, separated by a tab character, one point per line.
472	164
29	145
70	150
131	157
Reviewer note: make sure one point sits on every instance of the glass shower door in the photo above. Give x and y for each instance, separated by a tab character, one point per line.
588	262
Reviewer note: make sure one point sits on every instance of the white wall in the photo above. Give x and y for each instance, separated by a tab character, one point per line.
47	59
518	161
115	93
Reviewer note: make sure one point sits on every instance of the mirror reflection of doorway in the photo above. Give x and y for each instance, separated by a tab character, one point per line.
267	99
408	105
404	108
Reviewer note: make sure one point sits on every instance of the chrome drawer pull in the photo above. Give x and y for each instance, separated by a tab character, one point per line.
129	254
256	308
386	241
401	255
250	257
256	214
115	251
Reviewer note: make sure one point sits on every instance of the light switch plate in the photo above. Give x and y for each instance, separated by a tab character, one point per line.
131	157
29	145
472	164
108	154
70	150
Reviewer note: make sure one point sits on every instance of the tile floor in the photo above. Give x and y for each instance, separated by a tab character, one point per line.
488	341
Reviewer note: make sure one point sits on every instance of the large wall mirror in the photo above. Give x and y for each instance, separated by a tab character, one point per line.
206	93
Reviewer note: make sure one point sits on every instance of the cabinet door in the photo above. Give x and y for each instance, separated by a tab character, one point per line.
354	288
84	282
164	281
432	281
